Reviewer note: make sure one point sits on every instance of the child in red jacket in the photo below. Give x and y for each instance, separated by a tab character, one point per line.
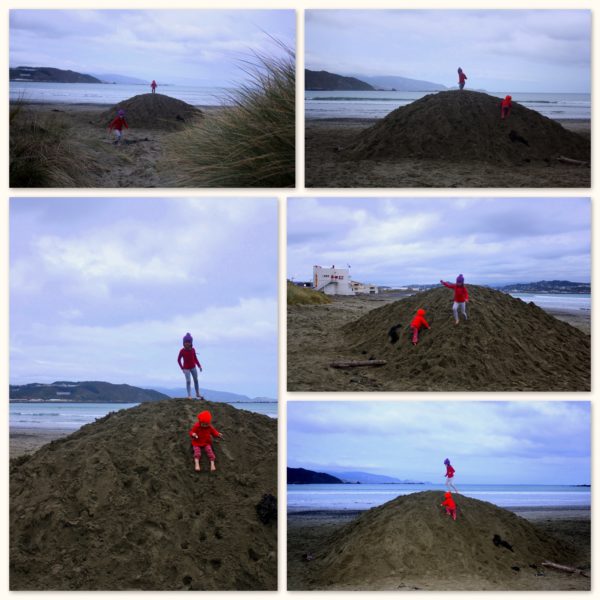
505	107
461	78
117	125
461	296
450	475
450	505
416	324
202	433
188	361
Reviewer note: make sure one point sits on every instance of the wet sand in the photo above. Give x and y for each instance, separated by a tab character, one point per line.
307	531
27	441
325	167
314	340
138	162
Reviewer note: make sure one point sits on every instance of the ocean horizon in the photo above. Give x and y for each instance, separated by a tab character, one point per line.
322	104
70	416
343	496
107	93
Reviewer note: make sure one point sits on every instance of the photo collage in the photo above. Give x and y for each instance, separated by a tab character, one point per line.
298	298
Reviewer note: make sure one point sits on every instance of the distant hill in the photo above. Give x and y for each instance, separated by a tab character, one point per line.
323	80
401	84
303	476
114	78
555	286
49	75
84	391
361	477
214	395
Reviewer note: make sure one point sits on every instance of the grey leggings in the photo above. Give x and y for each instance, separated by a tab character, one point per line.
463	308
189	373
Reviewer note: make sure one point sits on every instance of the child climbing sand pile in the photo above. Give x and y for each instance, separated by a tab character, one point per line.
450	505
450	475
202	433
416	324
461	297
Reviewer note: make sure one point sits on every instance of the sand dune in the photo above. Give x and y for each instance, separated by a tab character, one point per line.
118	506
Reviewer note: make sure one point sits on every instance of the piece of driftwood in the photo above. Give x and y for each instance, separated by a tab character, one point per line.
349	364
572	161
553	565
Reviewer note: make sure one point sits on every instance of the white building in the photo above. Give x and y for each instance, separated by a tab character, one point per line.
364	288
332	281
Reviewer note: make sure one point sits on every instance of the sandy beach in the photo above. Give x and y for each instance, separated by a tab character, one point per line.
308	531
26	441
141	161
326	166
317	336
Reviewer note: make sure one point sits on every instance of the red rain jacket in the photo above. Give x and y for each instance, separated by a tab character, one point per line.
118	123
419	320
449	471
205	434
449	502
460	291
187	358
462	77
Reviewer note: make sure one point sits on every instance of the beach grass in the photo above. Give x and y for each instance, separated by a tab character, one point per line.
251	142
298	295
41	151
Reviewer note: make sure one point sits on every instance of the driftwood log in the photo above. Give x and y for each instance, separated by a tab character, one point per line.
349	364
553	565
572	161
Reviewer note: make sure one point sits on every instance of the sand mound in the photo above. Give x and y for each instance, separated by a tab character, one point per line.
412	537
466	125
118	506
506	344
153	111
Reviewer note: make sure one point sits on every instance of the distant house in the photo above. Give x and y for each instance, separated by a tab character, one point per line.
332	281
364	288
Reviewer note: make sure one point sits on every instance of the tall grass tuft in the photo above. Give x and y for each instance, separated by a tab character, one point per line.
250	143
41	154
298	295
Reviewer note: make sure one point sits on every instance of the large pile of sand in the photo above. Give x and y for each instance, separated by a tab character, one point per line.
118	506
507	344
465	125
153	111
411	538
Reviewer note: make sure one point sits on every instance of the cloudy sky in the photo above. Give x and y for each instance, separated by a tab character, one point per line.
399	241
499	50
487	442
172	46
105	288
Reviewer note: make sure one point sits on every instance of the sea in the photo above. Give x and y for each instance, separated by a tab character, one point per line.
339	496
70	416
107	93
377	104
571	302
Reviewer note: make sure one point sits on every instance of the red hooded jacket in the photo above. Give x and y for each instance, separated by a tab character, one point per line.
187	358
419	320
449	501
205	434
449	471
462	77
118	123
460	291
